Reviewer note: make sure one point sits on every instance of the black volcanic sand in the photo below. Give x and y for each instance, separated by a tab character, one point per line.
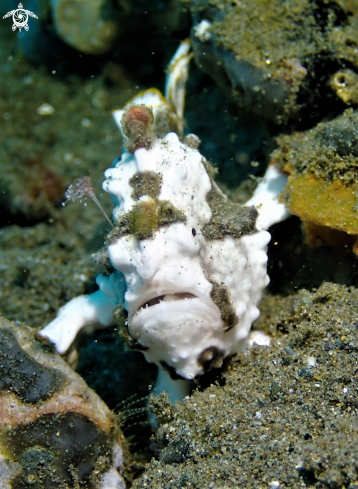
277	419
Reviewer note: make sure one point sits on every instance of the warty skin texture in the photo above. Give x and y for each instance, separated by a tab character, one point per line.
190	300
165	282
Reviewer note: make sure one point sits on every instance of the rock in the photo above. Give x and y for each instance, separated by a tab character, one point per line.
81	25
54	430
322	187
275	59
345	84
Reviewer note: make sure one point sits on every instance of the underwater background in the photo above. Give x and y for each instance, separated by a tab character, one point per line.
271	81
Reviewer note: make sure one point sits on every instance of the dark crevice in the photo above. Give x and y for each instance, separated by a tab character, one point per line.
215	376
293	265
324	11
9	219
317	99
307	476
158	299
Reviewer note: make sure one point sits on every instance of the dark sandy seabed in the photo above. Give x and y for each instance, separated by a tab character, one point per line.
268	418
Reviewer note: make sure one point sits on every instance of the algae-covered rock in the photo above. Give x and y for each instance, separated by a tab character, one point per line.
322	188
275	58
85	25
345	84
55	432
286	414
96	26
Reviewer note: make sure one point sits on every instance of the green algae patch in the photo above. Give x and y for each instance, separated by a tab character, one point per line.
144	219
326	204
146	183
228	219
328	151
232	220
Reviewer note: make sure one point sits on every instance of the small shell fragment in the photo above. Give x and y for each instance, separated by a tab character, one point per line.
45	109
311	361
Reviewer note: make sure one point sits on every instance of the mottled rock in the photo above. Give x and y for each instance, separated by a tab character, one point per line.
83	26
55	432
322	186
275	58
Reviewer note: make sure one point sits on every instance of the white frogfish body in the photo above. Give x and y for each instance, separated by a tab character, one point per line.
180	283
185	268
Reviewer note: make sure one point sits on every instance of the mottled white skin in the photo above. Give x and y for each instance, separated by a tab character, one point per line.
170	262
175	266
112	480
266	201
177	329
96	309
240	264
174	261
185	181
